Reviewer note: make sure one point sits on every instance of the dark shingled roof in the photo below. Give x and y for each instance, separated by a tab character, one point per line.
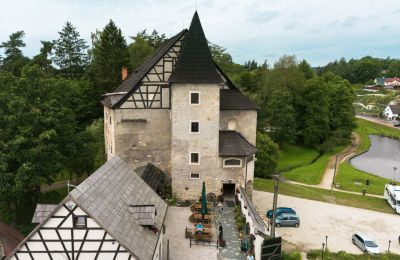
231	143
235	100
195	63
152	175
129	85
107	196
395	109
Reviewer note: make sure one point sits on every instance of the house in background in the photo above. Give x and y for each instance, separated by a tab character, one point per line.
392	112
113	214
180	112
388	83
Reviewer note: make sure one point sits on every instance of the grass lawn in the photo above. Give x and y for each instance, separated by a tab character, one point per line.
365	128
347	177
312	173
340	198
293	156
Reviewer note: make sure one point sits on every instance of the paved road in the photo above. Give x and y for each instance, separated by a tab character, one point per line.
380	121
319	219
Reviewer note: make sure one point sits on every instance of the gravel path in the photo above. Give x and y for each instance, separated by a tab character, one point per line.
380	121
319	219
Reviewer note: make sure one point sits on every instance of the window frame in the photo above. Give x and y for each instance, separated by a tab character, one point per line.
190	98
190	158
192	178
198	127
75	219
232	166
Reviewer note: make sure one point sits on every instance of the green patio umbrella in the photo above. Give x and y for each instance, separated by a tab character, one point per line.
204	210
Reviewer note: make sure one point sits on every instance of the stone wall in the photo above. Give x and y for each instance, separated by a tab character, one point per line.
205	143
246	122
142	136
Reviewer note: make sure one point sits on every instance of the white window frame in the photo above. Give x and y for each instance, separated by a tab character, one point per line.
190	176
190	128
232	166
190	158
190	98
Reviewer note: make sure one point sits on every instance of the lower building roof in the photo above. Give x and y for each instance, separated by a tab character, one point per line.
152	175
231	99
232	143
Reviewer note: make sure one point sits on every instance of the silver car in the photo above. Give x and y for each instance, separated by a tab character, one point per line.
287	220
366	244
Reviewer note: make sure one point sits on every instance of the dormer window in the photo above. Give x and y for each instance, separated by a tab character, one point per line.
194	98
144	214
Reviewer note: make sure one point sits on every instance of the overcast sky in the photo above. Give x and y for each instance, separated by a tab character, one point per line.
316	30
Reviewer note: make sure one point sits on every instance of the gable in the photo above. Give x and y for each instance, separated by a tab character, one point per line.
153	90
53	239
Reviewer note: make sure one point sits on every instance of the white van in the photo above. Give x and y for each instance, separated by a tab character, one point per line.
392	195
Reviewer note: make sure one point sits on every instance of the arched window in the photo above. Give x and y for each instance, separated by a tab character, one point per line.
232	162
232	124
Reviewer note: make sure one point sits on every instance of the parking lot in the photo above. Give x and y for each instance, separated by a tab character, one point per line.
319	219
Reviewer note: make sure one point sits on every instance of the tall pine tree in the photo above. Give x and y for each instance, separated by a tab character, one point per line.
70	52
110	53
14	60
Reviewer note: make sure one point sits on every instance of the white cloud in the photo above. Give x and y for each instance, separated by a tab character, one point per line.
319	31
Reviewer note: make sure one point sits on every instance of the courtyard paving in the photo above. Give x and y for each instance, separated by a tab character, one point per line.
231	235
319	219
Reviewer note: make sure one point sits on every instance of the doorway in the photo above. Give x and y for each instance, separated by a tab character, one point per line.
228	189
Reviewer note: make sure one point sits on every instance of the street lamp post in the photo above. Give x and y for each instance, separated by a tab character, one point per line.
276	179
389	247
394	173
323	249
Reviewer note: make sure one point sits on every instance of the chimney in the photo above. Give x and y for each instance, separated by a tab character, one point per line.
124	73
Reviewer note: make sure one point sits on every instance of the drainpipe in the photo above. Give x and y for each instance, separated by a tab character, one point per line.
245	177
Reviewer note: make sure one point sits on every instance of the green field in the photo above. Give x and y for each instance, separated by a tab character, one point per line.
293	156
335	197
312	173
350	179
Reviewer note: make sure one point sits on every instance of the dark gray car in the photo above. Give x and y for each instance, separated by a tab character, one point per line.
287	220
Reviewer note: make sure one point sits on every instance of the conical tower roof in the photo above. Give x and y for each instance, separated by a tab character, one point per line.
195	64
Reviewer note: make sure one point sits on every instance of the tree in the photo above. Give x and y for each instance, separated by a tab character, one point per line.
305	67
43	59
37	133
316	114
267	156
70	52
281	116
143	46
14	59
110	54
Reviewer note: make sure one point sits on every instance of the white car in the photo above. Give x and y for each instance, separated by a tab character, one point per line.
366	244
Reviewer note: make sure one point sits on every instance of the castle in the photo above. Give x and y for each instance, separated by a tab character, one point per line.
180	112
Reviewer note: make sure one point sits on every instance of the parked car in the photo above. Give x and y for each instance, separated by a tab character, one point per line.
287	220
366	244
396	124
280	210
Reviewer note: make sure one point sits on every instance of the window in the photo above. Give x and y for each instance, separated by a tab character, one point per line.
194	158
194	175
194	127
79	221
232	162
194	98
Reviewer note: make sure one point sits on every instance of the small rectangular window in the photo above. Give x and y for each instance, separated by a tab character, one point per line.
194	175
79	221
194	127
194	98
194	158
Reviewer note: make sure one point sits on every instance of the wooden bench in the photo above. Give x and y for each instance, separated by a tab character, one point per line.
196	217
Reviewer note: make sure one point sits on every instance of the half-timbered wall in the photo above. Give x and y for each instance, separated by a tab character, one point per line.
58	239
154	90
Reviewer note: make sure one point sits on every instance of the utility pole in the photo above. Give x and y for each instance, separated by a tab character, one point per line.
276	188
